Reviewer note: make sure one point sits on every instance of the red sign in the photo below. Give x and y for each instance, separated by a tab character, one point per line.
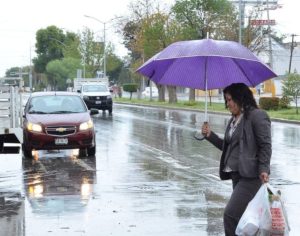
262	22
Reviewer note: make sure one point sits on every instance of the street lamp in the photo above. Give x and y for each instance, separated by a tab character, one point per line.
66	48
58	41
104	49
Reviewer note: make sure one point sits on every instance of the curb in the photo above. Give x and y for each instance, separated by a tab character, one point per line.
209	112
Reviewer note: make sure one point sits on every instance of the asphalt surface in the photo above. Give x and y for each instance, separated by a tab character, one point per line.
149	177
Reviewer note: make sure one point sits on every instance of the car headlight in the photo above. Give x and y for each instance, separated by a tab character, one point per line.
109	97
85	97
34	127
86	125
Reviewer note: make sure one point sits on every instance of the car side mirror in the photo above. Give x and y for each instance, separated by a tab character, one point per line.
78	91
94	111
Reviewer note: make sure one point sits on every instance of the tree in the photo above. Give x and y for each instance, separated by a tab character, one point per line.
15	72
114	65
49	46
61	70
131	88
201	18
129	32
148	31
124	76
159	30
291	87
71	46
92	52
53	44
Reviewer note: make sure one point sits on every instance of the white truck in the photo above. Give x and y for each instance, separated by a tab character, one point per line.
77	82
95	93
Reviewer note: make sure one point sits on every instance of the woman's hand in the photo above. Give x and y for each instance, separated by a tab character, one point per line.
205	129
264	177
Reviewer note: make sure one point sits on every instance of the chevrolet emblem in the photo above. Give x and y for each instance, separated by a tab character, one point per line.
61	129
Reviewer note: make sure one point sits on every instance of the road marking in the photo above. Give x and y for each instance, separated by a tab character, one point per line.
84	165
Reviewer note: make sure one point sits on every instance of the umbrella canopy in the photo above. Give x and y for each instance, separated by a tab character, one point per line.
206	64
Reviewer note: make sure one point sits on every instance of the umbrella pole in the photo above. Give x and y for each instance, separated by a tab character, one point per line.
205	112
198	135
205	69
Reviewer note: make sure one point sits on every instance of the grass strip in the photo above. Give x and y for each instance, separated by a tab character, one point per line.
282	114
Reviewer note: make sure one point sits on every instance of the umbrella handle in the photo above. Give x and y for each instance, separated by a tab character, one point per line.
199	136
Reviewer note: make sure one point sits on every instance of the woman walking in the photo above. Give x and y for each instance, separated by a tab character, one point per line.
246	151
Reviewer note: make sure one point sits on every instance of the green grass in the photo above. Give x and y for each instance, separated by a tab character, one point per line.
285	114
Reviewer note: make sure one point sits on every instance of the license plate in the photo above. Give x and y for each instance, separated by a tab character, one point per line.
62	189
61	141
98	102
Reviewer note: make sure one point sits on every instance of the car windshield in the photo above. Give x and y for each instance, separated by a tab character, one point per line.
55	104
94	88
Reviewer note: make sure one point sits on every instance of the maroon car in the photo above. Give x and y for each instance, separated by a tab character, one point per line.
58	120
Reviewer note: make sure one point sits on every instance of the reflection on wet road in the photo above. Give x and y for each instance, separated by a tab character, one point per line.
149	177
47	182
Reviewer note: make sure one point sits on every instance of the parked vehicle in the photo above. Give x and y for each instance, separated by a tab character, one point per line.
146	92
58	120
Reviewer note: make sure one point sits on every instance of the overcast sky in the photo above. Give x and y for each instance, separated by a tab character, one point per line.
20	19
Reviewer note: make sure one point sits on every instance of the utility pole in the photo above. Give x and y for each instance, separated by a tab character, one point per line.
292	49
104	39
104	49
30	71
242	5
269	38
240	21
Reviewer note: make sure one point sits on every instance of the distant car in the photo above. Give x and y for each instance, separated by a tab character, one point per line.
146	92
58	120
97	95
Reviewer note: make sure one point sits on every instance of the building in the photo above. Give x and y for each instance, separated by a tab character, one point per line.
281	58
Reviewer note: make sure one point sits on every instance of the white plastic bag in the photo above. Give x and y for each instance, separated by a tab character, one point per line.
257	215
280	225
265	215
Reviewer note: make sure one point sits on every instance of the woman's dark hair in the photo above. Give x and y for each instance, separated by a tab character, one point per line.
242	95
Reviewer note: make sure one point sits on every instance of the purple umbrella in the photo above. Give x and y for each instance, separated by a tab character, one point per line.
206	64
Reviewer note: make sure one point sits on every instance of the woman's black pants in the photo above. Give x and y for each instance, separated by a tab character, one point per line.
244	189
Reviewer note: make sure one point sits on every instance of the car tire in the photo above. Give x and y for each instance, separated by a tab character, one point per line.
91	151
27	152
110	110
82	152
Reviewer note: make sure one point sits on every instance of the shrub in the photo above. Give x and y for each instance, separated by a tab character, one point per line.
131	88
284	102
190	103
269	103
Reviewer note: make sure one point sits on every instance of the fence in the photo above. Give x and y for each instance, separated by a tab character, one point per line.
11	108
11	113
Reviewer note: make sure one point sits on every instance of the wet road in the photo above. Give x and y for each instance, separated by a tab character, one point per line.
149	177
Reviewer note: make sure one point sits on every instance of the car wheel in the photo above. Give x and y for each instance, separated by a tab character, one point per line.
91	151
27	152
110	110
82	152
